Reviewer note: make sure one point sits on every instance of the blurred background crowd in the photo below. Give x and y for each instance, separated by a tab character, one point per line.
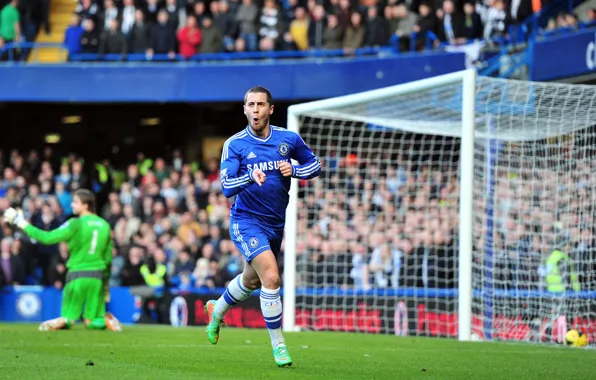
196	26
175	28
360	224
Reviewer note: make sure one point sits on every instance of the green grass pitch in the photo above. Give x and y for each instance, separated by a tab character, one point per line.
163	352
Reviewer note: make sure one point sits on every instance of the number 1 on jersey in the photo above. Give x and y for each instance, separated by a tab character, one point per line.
93	242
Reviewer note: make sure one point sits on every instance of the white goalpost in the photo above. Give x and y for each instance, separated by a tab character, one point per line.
456	206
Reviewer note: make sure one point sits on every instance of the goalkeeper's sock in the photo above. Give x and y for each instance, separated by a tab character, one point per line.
272	309
97	324
235	293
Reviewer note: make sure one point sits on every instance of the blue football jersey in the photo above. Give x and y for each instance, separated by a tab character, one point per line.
245	152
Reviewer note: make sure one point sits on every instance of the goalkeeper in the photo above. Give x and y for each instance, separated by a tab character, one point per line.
90	245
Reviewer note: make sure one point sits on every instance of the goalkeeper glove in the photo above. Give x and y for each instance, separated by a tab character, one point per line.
15	217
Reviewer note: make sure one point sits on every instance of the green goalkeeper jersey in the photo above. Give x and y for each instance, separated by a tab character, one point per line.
89	241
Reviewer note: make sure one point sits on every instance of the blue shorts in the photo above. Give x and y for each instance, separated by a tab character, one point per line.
252	239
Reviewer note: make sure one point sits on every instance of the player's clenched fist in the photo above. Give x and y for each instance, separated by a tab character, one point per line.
258	176
285	168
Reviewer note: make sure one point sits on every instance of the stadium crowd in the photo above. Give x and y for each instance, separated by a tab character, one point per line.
569	22
196	26
20	20
389	226
176	28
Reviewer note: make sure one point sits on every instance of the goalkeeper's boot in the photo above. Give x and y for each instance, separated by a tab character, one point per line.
59	323
112	322
282	356
215	323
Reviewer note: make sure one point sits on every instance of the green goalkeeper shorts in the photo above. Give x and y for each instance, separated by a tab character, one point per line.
87	293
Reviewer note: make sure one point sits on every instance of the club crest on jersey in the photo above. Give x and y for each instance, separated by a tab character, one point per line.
253	242
283	149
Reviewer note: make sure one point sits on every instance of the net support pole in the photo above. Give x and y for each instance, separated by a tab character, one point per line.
487	296
466	203
290	239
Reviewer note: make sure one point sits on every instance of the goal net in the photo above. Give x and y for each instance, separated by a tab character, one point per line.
457	206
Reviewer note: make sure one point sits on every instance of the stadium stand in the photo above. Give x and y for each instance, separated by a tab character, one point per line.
176	213
200	30
167	211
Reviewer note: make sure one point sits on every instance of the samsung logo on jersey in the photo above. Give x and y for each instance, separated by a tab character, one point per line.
267	165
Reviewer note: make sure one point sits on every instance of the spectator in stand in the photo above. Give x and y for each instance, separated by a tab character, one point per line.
212	38
591	17
344	13
334	33
354	36
224	20
472	25
64	177
64	198
299	28
112	41
189	38
271	23
246	17
152	11
316	27
12	268
176	15
140	34
199	11
89	39
128	18
79	178
406	21
163	38
110	12
72	36
571	21
377	29
496	21
427	22
10	27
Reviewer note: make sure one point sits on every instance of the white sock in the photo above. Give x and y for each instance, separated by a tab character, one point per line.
272	309
235	293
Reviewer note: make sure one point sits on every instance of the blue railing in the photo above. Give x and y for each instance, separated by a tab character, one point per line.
493	66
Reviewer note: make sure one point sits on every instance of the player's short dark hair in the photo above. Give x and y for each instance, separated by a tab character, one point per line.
87	198
259	90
